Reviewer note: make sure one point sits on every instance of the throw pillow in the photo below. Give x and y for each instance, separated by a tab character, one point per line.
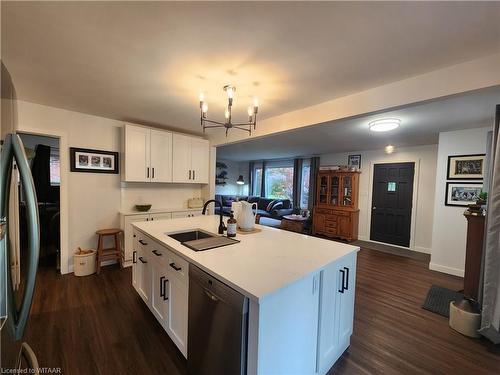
269	207
277	206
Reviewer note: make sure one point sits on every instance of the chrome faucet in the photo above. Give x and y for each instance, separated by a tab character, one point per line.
222	226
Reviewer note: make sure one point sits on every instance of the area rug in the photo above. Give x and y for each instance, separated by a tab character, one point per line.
438	300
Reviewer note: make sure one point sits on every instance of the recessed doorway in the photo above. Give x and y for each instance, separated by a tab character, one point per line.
392	201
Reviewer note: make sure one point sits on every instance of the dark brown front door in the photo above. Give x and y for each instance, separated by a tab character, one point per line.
392	203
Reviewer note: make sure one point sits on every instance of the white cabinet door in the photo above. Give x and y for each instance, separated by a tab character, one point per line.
160	216
135	266
144	276
181	156
161	156
176	323
346	306
200	160
137	153
128	233
159	301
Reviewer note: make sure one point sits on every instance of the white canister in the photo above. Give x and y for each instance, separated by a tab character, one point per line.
84	263
236	208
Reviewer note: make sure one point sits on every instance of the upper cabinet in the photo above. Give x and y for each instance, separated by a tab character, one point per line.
190	159
152	155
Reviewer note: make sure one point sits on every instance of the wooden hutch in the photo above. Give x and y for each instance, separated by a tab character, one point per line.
336	211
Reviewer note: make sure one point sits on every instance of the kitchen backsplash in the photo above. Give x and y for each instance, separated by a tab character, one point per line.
159	195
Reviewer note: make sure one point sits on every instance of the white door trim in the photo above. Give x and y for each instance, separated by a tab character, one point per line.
416	177
63	188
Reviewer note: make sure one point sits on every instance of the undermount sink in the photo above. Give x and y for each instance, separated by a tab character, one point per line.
191	235
198	240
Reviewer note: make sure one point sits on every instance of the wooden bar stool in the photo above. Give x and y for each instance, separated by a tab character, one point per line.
110	253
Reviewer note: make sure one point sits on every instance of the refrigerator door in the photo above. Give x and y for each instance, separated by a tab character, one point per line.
16	314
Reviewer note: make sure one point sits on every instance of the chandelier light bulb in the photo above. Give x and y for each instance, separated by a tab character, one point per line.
226	114
256	103
204	108
230	92
250	111
202	96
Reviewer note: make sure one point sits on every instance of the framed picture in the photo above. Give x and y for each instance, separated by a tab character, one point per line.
93	161
466	167
462	193
354	161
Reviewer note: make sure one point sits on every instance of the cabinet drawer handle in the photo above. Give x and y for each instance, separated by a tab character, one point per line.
175	267
165	297
190	174
346	278
147	172
155	252
193	175
142	260
343	280
162	287
143	243
153	170
134	257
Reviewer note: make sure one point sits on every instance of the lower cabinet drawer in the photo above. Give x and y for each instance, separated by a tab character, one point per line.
331	223
331	231
322	211
341	213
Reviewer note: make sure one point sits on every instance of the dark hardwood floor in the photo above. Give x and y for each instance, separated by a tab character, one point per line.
99	325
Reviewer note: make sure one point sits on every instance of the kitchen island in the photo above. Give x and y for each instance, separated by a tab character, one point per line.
299	290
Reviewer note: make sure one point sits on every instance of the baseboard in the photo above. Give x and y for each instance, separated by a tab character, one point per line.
445	269
421	249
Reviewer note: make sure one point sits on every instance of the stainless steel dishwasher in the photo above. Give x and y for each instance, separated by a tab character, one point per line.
217	326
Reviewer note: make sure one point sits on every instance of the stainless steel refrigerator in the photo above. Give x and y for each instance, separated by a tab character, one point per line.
17	267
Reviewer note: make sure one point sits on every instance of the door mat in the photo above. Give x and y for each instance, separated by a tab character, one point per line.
438	300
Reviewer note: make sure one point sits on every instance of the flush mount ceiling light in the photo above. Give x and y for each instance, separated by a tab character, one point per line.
228	124
389	149
384	124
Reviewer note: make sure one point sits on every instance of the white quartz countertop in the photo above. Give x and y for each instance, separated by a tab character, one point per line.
261	264
158	211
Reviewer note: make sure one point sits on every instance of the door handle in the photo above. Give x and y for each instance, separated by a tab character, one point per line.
13	149
343	280
175	267
142	260
143	243
155	252
346	278
165	297
162	286
134	257
374	208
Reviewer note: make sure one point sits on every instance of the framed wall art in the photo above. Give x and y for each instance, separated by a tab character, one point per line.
466	167
462	193
93	161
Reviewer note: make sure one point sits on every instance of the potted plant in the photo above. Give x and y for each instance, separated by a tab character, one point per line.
483	196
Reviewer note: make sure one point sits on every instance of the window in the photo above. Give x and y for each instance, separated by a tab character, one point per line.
257	181
304	188
279	182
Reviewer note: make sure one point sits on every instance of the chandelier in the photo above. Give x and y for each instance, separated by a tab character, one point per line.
228	124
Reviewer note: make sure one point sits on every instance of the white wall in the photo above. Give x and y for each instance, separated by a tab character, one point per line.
426	157
449	234
92	200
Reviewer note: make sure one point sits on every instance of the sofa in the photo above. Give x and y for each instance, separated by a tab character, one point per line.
266	207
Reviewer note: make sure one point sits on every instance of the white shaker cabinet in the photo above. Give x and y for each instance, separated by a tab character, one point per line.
147	155
190	159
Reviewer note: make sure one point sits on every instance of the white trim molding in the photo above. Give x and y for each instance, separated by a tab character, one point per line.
445	269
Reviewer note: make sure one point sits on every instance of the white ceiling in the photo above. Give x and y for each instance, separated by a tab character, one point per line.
146	61
420	125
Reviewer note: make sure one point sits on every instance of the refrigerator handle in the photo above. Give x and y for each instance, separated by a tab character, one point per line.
14	149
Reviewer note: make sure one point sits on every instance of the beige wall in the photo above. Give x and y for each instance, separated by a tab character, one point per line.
425	163
93	200
449	234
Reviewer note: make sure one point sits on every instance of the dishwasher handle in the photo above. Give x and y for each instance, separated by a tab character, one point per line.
212	296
